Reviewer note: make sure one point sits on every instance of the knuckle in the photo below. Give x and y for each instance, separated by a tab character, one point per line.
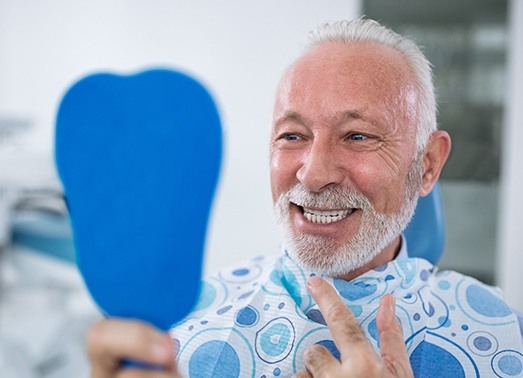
341	320
353	333
339	316
338	312
310	354
314	354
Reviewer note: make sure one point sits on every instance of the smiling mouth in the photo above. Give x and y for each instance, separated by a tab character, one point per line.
325	216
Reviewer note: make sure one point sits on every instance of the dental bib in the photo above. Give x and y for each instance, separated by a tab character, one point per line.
257	319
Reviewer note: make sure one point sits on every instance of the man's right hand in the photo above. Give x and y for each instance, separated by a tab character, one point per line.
358	358
112	341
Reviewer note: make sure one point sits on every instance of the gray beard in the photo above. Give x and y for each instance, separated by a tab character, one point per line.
325	256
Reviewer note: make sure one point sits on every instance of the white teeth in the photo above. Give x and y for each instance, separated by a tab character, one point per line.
324	217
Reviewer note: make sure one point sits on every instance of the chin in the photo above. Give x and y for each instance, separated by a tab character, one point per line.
324	257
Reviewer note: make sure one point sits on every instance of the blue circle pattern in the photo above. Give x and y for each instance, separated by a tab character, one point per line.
247	317
422	297
316	316
212	354
510	365
482	343
446	364
485	303
240	272
444	285
274	342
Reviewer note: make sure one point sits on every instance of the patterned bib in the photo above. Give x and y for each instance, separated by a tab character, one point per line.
256	320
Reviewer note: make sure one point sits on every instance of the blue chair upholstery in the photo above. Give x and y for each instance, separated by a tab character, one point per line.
426	232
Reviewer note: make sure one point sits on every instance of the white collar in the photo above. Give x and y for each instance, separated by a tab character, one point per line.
403	253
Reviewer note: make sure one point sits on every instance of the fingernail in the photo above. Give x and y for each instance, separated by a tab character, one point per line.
314	281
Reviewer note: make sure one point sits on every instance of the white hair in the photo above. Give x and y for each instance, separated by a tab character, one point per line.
366	30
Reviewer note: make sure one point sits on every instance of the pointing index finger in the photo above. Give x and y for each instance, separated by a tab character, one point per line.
344	327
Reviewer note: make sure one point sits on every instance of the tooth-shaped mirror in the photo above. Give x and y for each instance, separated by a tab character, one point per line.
139	160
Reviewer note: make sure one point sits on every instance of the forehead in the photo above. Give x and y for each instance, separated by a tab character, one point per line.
336	77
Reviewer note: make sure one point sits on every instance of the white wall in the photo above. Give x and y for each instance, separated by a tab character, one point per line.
238	48
510	242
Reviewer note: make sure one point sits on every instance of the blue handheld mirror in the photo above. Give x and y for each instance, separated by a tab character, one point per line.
139	159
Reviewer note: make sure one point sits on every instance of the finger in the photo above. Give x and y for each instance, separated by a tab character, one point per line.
319	361
344	327
392	345
111	341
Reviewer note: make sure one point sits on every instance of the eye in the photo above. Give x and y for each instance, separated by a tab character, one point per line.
356	136
290	137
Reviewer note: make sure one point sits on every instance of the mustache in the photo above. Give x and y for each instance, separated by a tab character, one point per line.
332	197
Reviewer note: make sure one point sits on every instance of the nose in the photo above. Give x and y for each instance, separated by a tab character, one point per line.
320	168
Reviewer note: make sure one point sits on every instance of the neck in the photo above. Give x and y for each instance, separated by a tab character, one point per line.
387	255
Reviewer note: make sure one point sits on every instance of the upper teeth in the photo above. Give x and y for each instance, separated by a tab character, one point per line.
318	216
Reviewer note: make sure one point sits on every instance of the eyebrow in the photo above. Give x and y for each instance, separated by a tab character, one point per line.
352	114
348	115
293	116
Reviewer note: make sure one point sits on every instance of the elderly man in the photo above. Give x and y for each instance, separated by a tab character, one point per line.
354	143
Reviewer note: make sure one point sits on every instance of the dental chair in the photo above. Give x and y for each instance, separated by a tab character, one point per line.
425	233
41	224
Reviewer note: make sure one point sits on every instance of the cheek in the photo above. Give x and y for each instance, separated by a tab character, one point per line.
283	173
366	174
382	187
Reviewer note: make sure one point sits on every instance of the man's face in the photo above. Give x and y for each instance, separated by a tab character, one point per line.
342	155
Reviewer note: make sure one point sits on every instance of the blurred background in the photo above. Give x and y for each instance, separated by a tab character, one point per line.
238	50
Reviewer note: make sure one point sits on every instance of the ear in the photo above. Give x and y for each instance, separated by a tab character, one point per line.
435	156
